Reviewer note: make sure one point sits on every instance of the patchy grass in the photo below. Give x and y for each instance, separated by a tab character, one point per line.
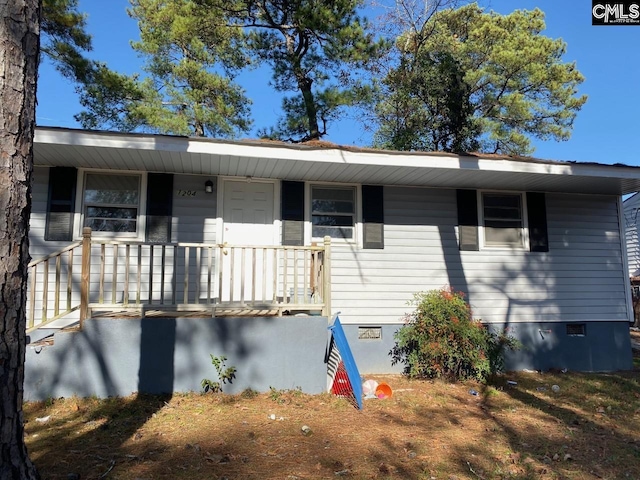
426	430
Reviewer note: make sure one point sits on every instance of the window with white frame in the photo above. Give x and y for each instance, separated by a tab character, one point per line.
333	212
111	202
503	220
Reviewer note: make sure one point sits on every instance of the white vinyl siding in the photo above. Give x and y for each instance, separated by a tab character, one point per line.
194	217
632	226
579	279
194	211
193	221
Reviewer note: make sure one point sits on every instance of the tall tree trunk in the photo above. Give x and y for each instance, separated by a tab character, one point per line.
19	44
304	84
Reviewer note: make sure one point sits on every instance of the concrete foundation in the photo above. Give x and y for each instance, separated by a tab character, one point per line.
116	357
602	347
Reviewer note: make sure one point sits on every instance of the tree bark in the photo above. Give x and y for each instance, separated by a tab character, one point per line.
304	84
19	45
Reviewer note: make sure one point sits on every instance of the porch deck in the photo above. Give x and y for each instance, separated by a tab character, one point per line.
109	278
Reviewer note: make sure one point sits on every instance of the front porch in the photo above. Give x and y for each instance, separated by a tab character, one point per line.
114	278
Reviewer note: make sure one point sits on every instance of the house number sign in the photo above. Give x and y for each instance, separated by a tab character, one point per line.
186	193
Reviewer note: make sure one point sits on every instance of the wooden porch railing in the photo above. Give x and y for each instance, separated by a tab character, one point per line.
58	301
116	276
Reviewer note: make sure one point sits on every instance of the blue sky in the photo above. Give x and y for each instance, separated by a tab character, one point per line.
606	130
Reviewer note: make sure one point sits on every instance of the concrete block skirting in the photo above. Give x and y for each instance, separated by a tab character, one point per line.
578	346
117	357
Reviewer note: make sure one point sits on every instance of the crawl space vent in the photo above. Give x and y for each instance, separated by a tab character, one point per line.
369	333
576	329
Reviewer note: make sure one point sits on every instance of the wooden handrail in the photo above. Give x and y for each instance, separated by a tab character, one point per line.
33	263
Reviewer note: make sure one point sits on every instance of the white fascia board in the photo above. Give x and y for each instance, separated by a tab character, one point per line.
266	150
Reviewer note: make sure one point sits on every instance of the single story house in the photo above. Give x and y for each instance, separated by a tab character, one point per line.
168	249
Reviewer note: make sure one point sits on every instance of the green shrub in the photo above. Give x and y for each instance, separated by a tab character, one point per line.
441	339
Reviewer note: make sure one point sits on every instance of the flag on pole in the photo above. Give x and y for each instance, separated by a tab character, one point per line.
343	378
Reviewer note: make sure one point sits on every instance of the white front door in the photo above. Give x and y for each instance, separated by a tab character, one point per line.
248	219
248	213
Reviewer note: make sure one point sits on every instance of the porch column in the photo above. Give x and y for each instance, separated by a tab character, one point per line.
85	274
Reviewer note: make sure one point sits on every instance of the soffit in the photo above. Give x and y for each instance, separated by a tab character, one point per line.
327	163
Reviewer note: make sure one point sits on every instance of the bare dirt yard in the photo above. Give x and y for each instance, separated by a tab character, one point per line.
588	427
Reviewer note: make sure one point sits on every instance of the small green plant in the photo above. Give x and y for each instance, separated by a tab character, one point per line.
225	375
440	338
491	392
285	395
275	395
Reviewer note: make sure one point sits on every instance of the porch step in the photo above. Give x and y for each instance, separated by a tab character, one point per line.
47	337
43	342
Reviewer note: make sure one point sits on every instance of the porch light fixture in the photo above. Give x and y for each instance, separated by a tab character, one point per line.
208	186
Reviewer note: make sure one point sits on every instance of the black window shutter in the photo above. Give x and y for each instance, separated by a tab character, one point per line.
292	202
373	216
159	207
468	219
537	215
61	203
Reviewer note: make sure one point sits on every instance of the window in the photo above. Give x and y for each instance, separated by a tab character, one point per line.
503	220
333	212
111	202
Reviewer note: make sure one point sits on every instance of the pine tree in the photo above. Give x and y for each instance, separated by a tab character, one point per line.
187	86
475	80
315	49
19	45
193	49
